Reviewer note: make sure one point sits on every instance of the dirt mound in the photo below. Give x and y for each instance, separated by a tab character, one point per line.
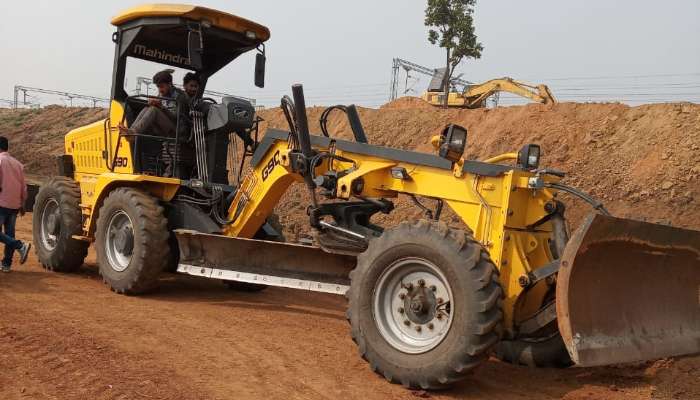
644	162
36	136
407	102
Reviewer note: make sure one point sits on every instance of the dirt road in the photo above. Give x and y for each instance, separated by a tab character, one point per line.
69	337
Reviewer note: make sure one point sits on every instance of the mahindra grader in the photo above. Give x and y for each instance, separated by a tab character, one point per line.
427	302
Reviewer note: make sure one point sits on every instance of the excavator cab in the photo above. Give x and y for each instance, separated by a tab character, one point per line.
193	39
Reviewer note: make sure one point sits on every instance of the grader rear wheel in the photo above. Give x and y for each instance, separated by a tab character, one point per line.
424	305
55	219
131	241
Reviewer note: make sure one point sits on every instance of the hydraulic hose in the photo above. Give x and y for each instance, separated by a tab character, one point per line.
595	203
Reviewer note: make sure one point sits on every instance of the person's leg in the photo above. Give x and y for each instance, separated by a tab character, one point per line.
144	121
3	239
162	124
9	218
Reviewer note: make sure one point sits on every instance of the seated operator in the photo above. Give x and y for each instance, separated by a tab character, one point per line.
159	118
191	83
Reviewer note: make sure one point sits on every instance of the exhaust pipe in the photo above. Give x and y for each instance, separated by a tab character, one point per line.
302	121
355	124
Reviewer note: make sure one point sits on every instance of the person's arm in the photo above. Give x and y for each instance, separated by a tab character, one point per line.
23	194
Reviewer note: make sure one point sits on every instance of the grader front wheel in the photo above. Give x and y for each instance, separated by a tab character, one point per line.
131	241
424	305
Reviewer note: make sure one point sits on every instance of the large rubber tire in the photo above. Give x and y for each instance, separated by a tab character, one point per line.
544	349
549	352
149	254
273	220
59	251
475	304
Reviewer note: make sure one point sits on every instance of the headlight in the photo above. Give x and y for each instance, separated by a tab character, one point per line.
529	157
453	140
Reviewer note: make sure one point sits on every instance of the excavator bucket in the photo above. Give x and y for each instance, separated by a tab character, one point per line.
629	291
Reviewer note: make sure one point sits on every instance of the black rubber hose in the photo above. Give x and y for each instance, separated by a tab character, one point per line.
596	204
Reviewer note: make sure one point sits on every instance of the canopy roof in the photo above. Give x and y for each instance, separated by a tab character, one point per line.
222	20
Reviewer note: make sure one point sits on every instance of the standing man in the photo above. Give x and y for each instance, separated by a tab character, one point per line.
13	193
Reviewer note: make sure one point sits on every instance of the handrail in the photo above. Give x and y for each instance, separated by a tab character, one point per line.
502	157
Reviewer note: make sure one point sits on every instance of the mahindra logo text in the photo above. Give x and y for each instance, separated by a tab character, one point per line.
141	50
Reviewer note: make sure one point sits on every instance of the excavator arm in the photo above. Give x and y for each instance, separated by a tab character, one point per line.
476	95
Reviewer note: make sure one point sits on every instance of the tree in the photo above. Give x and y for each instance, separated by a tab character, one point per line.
452	28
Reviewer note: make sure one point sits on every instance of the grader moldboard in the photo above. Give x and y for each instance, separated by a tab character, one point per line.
427	303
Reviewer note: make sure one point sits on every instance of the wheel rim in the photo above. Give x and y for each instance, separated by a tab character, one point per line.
412	305
50	224
119	241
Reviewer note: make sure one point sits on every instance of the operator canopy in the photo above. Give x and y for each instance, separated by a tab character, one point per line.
186	36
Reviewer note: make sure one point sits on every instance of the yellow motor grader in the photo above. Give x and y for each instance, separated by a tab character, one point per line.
427	302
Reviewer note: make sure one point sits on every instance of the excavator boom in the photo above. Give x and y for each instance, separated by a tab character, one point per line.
475	96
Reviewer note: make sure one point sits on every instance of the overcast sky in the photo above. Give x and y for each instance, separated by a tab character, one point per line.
633	50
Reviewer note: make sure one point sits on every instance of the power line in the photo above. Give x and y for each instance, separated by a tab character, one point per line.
581	78
25	89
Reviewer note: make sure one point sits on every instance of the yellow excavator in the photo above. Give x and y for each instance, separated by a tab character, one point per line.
427	303
476	95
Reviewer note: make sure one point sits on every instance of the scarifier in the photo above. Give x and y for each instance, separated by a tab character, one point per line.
427	303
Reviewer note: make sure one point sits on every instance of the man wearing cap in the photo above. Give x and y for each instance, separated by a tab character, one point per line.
13	193
160	116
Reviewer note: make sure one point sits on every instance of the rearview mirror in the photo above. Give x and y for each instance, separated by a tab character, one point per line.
195	49
260	70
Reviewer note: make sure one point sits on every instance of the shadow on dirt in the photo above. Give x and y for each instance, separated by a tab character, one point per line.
23	282
179	288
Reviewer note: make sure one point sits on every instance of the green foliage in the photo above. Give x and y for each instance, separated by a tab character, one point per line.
451	26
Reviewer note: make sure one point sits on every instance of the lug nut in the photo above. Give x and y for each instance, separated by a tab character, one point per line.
439	316
431	326
402	296
407	323
421	282
418	328
524	281
401	310
439	300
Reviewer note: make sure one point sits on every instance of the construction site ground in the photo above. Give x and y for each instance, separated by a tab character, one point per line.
66	336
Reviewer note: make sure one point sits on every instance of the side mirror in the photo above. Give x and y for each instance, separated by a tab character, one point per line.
195	49
260	70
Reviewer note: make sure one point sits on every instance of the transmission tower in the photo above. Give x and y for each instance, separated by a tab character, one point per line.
408	66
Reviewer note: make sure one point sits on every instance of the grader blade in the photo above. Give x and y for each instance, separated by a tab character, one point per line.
262	262
629	291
